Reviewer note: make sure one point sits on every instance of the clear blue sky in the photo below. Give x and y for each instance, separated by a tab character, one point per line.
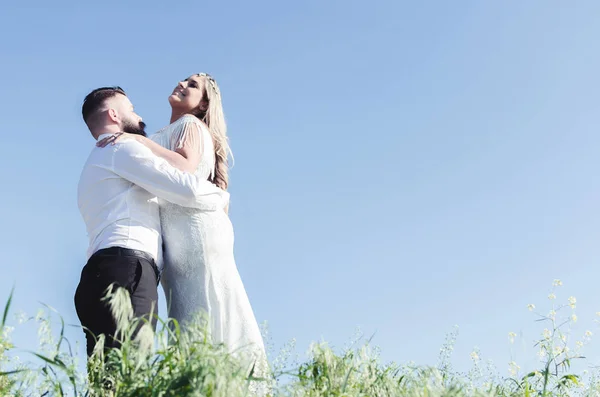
400	166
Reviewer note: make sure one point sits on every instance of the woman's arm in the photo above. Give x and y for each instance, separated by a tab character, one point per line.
186	156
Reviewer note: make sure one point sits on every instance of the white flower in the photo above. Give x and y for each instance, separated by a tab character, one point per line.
547	333
557	283
557	350
511	337
572	302
588	334
6	332
474	356
574	318
513	369
21	317
552	315
552	296
531	307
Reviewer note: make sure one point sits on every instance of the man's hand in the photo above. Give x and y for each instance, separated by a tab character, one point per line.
118	137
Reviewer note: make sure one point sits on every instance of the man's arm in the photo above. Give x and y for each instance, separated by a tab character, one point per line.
136	163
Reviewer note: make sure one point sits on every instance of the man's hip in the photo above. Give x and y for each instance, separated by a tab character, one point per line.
133	270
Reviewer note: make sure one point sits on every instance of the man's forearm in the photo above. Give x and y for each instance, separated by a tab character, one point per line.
136	163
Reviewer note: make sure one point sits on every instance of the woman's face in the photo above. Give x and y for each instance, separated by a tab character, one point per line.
187	95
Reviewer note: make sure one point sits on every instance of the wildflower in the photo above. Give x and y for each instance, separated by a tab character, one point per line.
21	317
588	334
531	307
542	354
557	283
474	356
563	338
547	333
557	350
552	296
579	344
552	314
511	337
574	318
513	368
572	302
5	334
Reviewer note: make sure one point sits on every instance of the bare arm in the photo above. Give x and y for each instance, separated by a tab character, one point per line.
137	164
180	159
185	157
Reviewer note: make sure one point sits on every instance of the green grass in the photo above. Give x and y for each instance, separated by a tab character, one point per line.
172	362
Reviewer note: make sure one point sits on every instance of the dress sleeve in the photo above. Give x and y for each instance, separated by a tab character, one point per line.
188	131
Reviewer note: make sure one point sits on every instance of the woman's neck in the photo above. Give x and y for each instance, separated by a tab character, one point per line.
176	115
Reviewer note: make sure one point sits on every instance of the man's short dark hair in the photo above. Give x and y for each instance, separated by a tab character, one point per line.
95	100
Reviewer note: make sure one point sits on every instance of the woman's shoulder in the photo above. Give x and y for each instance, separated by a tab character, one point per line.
187	119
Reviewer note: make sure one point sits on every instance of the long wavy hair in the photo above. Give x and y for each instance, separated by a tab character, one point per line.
210	111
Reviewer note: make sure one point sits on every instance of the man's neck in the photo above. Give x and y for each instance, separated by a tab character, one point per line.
108	129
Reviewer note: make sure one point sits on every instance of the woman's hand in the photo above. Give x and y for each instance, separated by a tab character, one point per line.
118	137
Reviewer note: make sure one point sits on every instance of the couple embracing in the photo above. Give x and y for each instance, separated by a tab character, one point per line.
156	212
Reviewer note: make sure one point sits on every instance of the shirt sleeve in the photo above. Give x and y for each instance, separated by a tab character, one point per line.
136	163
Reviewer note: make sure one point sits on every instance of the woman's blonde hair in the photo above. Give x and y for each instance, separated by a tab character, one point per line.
210	111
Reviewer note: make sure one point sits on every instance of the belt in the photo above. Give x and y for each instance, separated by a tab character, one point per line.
120	251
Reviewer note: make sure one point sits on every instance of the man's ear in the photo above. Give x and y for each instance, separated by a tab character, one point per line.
113	115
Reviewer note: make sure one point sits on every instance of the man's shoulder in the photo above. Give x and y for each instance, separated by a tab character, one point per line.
105	156
127	147
129	151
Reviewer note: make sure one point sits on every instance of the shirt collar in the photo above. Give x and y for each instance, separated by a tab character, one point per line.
101	137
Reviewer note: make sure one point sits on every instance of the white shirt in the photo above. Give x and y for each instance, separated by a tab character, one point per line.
117	196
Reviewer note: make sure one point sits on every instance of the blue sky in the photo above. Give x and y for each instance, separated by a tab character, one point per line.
400	166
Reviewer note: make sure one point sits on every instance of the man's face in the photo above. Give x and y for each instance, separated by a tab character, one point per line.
129	121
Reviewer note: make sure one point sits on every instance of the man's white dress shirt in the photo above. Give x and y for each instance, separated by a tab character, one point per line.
117	196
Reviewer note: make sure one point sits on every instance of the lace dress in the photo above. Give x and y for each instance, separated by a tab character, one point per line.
200	274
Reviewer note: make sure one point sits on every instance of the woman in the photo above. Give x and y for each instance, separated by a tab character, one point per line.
200	274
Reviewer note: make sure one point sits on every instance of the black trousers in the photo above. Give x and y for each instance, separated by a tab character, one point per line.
133	270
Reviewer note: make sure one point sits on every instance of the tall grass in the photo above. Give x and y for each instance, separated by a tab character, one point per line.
174	362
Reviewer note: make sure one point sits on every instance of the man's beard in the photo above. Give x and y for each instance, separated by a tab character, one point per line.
132	128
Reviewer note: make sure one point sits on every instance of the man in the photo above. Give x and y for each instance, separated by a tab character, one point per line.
117	198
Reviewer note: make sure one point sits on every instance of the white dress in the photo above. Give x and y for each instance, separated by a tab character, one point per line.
200	274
